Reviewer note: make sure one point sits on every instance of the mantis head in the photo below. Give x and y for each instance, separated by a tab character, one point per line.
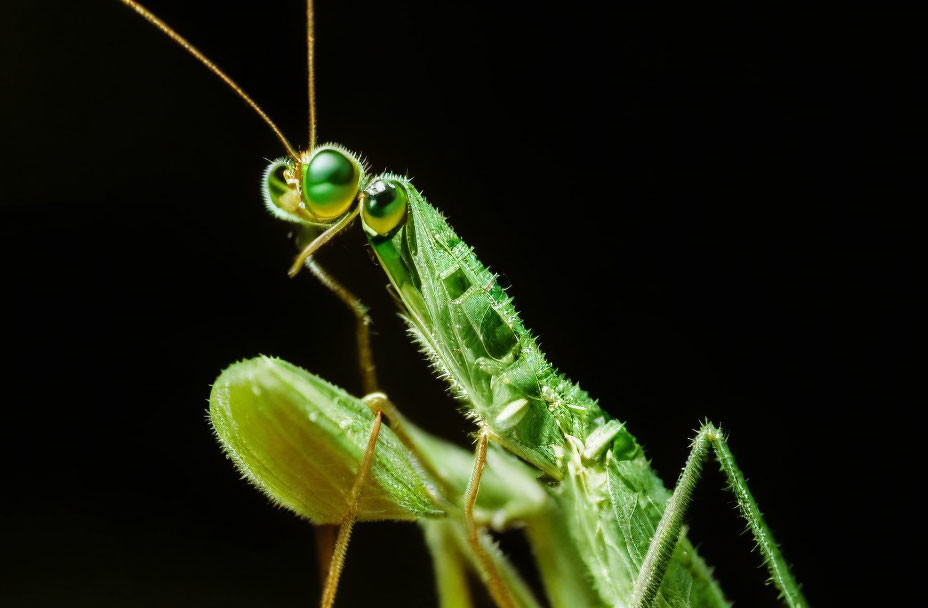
326	189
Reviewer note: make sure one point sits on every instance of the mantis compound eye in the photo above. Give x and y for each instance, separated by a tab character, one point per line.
280	198
329	183
384	207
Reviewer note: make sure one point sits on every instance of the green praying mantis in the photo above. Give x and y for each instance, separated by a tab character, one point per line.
548	459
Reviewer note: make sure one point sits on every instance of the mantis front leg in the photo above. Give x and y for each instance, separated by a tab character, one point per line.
668	531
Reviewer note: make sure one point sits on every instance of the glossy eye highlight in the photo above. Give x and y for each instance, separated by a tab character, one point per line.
384	207
329	183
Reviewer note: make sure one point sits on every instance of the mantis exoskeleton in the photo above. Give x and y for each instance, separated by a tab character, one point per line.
607	509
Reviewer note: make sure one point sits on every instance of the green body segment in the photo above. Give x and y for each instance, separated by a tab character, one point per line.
472	333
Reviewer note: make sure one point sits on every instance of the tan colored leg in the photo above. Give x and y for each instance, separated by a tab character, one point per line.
494	579
379	402
344	529
330	233
362	320
327	536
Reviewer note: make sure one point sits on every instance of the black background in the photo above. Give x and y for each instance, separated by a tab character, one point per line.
700	210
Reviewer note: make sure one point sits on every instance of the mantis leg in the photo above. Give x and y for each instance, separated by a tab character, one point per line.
494	578
347	523
362	322
668	531
320	240
449	565
379	402
326	535
380	405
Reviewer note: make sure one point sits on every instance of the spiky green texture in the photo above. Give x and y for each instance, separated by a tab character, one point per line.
668	531
300	440
472	333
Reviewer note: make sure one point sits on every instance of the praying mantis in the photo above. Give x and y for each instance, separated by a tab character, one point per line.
605	530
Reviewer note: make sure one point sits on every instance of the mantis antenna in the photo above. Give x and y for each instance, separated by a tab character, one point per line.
311	63
340	544
164	27
327	280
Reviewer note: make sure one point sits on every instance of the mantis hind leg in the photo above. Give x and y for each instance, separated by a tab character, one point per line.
347	523
668	531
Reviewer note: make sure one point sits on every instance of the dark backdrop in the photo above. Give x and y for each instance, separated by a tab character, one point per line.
698	209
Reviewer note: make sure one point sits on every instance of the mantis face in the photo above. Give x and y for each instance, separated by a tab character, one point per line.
326	189
318	190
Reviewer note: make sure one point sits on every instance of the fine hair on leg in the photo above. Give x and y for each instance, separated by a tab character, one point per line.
668	530
494	578
347	523
362	323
